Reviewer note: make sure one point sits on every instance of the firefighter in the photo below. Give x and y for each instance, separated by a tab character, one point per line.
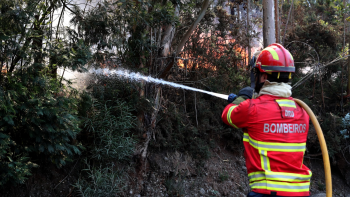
275	128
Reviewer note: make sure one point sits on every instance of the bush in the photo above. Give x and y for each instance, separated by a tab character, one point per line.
36	124
345	125
109	119
110	123
14	168
101	181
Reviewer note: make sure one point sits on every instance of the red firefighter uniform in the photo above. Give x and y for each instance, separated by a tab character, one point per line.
275	131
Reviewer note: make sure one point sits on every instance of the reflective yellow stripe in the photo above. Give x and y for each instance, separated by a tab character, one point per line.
273	52
274	146
281	186
265	162
245	137
229	116
278	176
256	176
286	103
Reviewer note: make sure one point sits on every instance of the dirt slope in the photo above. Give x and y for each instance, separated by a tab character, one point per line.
224	174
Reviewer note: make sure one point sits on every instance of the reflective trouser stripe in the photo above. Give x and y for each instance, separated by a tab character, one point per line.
280	186
273	146
265	162
229	116
278	176
286	103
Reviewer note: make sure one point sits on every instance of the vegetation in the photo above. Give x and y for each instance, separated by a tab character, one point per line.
114	124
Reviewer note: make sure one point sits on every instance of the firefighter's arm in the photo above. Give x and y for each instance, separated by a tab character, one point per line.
239	100
236	115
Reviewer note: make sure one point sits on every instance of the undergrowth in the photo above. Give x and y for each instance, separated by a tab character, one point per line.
108	123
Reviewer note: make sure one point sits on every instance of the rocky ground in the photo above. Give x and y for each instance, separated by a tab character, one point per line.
177	174
224	174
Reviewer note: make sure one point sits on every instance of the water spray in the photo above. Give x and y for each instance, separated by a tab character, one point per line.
122	73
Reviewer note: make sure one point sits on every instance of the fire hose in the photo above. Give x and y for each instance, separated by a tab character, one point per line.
326	164
327	169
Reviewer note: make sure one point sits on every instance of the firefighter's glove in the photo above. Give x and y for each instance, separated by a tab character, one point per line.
231	97
247	92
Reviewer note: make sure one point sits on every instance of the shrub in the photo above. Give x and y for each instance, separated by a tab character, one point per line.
36	124
109	119
110	123
101	181
14	168
345	125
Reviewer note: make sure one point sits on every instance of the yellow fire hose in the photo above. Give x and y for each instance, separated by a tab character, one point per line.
327	168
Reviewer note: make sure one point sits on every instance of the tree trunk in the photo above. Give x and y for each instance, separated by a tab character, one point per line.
164	50
184	39
286	26
342	66
268	22
238	13
344	17
277	22
248	28
348	88
37	45
168	36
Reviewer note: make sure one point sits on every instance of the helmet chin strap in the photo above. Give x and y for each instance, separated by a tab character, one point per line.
258	87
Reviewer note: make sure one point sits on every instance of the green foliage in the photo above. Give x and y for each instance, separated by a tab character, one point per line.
14	168
345	125
109	120
223	176
74	56
110	124
105	26
37	123
38	117
178	133
100	181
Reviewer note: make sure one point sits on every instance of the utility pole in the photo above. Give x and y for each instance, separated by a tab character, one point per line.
268	22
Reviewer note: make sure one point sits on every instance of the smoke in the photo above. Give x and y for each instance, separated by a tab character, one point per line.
137	77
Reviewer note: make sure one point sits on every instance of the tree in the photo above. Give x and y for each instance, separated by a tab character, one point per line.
37	122
248	28
277	22
268	22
